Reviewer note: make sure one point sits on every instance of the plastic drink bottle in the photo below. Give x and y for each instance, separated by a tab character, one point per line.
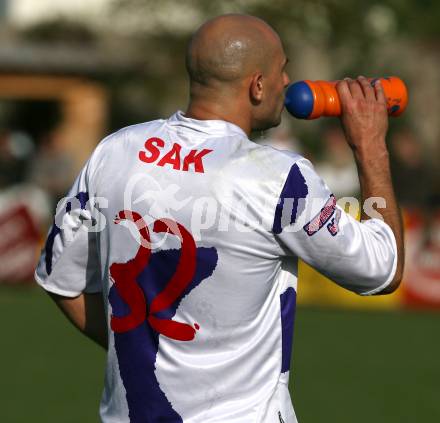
313	99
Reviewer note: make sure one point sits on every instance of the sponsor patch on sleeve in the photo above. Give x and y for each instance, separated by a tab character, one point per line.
322	217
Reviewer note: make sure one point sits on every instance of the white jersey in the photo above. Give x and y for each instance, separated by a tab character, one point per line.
192	233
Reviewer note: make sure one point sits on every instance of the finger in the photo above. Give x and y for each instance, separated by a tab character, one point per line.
343	91
355	89
379	92
367	89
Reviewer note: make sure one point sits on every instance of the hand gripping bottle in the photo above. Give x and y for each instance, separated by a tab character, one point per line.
313	99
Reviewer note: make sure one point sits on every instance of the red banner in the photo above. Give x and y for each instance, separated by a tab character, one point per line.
19	242
421	282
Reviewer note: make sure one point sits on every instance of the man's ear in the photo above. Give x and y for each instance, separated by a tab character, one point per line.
256	88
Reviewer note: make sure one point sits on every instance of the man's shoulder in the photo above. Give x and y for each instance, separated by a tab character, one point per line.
138	129
288	171
278	160
287	155
119	142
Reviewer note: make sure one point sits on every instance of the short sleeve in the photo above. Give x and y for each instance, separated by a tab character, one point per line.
359	256
69	262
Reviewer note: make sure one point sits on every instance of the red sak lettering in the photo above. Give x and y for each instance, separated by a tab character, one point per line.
193	161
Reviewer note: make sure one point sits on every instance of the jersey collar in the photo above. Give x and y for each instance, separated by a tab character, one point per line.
213	127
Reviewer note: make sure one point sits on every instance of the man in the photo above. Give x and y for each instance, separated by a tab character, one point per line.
194	265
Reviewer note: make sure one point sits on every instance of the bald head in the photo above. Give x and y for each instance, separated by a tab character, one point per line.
229	48
237	70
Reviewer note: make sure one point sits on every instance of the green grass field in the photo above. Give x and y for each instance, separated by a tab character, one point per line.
348	366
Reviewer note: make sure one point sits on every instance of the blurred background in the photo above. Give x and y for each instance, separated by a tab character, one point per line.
73	72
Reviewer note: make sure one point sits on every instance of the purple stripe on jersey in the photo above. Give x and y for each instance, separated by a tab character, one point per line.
137	349
288	306
83	198
294	189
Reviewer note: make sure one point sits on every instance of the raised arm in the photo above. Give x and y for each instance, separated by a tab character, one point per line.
365	122
364	257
